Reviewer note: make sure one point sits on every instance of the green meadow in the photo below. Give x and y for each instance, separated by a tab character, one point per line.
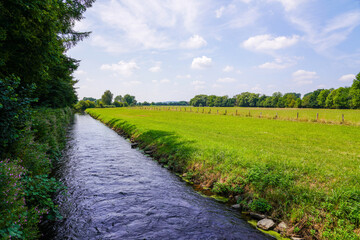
305	173
332	116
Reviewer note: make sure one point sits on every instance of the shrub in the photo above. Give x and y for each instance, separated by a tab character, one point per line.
260	205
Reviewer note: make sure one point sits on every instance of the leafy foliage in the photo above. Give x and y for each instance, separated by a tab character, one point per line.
107	97
34	36
14	110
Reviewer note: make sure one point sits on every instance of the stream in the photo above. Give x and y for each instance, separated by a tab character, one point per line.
115	192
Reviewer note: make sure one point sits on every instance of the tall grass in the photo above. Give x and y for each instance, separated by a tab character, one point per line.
305	173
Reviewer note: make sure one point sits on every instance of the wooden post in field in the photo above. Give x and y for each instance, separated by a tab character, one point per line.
203	110
190	109
197	110
276	115
175	108
209	110
260	114
185	109
249	113
297	115
217	112
236	113
317	116
225	112
343	118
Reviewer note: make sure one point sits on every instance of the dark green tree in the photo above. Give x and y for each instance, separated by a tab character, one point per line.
199	99
106	98
130	100
321	99
119	98
355	92
34	36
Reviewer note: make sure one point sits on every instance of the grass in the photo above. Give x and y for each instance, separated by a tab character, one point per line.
334	116
305	173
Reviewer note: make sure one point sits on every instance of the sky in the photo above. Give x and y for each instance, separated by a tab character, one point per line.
172	50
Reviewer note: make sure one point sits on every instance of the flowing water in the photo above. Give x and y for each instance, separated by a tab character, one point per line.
115	192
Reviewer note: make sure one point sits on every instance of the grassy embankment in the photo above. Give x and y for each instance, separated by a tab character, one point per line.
25	186
304	173
332	116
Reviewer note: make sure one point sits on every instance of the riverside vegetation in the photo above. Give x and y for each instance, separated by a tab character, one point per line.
304	173
36	93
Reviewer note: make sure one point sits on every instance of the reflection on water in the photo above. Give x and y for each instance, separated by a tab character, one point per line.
115	192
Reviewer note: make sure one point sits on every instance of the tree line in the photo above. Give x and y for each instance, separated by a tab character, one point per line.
106	101
343	98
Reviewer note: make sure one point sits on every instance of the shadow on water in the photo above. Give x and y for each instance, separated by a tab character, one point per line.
115	192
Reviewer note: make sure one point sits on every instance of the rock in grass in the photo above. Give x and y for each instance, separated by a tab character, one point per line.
266	224
257	216
281	227
134	145
236	206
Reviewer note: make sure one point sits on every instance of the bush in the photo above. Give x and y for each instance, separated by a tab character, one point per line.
260	205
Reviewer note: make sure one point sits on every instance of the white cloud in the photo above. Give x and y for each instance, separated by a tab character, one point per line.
257	89
228	69
148	24
165	80
267	42
226	80
183	76
79	72
197	82
289	4
193	42
278	63
244	19
201	62
325	36
215	85
347	78
219	12
303	77
156	68
124	68
133	82
154	81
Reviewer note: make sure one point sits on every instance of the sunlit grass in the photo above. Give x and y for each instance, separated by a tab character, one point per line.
335	116
307	171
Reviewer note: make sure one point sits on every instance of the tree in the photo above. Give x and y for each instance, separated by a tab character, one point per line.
130	100
118	104
276	98
119	98
34	36
106	98
89	98
199	99
355	93
321	99
342	98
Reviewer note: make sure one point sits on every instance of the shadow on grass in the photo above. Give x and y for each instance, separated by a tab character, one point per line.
166	147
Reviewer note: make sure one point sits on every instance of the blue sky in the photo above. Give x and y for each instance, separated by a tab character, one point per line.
168	50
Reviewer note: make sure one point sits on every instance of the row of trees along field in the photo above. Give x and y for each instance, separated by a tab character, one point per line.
343	97
119	101
35	78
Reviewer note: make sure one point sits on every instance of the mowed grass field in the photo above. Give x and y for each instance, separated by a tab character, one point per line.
335	116
305	173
